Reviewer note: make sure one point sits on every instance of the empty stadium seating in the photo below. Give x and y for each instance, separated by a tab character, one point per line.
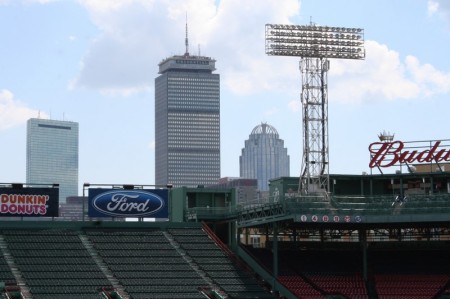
5	272
317	274
215	262
412	273
297	285
146	264
409	286
55	264
351	285
179	262
408	271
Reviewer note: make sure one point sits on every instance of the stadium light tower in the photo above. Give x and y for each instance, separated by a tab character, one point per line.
315	45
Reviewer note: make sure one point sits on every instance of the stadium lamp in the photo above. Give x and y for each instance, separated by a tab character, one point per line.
315	41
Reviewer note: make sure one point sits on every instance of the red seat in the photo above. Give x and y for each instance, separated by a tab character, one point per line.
409	286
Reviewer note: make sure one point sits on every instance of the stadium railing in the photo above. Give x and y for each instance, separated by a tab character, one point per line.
354	205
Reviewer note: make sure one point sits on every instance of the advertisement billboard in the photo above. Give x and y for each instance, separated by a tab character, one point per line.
391	153
143	203
29	202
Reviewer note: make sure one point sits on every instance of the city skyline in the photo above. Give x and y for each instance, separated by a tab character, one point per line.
94	62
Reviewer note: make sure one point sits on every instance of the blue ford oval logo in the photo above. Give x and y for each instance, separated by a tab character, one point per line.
128	203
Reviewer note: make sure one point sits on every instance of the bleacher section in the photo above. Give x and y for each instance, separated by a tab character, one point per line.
145	262
55	264
333	272
300	287
416	274
351	285
321	285
190	262
315	274
393	274
6	274
409	286
211	259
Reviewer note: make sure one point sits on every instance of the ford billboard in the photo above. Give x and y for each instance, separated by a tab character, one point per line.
128	203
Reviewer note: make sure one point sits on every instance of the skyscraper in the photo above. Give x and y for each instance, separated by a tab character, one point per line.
264	156
187	121
52	154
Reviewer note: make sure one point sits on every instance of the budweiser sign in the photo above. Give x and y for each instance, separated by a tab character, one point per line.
386	154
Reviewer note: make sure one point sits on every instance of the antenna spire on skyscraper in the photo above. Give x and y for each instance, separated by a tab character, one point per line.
186	40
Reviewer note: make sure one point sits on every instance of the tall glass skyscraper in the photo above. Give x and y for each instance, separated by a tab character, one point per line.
264	156
52	155
187	122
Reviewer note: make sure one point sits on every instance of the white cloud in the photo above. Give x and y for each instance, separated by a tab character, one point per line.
27	2
440	8
237	35
137	35
12	111
383	76
433	7
101	6
40	1
430	80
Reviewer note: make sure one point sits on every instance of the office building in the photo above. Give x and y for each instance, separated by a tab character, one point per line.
264	156
52	155
187	121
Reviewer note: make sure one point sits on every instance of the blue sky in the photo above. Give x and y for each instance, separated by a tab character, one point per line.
94	62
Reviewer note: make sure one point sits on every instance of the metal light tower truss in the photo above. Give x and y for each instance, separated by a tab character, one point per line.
315	45
314	176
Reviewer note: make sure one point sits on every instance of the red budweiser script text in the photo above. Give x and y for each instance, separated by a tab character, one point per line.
385	154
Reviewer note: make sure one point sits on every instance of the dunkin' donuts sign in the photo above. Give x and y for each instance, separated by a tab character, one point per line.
128	203
29	202
386	154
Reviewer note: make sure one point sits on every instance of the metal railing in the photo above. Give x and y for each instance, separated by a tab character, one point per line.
358	205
